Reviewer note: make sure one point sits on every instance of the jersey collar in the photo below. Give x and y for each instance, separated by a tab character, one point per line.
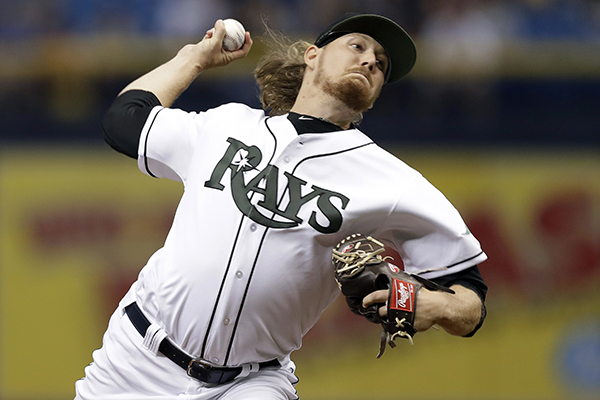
309	124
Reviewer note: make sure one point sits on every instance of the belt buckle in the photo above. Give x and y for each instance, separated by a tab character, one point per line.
210	373
202	362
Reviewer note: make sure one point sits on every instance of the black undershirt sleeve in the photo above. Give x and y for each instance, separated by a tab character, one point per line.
471	279
123	123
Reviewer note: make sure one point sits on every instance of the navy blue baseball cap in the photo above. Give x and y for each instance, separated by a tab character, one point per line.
400	48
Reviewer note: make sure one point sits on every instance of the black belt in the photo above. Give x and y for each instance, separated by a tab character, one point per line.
196	368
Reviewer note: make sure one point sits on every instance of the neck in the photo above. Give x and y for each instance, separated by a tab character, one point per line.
324	107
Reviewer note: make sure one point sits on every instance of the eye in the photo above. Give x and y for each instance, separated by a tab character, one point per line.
356	46
381	64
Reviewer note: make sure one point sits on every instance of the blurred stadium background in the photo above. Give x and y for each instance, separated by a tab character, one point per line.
501	113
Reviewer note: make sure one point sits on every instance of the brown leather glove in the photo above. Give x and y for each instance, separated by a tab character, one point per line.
361	269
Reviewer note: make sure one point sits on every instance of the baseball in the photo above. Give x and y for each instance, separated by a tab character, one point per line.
235	35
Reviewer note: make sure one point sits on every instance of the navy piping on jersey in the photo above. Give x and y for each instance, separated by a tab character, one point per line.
331	154
209	327
212	317
464	261
237	318
146	145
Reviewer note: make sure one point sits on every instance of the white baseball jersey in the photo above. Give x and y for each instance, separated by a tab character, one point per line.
246	268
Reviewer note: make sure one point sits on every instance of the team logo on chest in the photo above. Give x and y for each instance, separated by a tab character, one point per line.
268	211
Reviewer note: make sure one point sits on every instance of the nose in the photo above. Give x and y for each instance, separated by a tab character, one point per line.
369	60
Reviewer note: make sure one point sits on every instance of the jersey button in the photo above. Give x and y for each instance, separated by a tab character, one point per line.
239	274
286	160
226	321
253	227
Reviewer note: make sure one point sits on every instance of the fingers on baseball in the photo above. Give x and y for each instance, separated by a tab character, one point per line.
219	31
247	44
243	51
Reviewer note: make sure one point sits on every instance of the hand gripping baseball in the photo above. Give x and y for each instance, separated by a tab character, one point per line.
360	269
210	52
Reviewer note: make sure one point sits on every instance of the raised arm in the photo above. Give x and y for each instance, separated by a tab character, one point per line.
126	117
170	79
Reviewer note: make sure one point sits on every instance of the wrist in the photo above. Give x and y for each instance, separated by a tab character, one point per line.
188	63
444	313
432	309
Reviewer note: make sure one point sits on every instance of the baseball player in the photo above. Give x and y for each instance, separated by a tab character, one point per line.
246	269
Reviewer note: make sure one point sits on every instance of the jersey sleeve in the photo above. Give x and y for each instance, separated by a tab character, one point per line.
172	137
429	233
168	141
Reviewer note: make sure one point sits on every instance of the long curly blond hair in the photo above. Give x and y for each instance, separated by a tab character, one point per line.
280	71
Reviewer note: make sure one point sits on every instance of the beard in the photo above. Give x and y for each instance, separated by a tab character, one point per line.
350	92
354	94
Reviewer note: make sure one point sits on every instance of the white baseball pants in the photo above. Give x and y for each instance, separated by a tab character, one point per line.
124	369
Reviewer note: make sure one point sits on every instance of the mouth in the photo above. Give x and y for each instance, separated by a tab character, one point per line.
361	74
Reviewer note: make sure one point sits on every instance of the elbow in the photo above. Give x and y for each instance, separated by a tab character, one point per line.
125	119
476	324
108	127
115	137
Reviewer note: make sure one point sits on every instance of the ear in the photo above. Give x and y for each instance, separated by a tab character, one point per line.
310	56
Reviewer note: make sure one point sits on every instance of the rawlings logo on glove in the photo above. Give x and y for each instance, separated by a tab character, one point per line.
403	295
361	269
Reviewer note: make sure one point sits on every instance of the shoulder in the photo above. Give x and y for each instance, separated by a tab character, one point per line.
387	163
237	110
226	117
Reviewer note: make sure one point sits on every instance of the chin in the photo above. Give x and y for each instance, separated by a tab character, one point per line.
352	92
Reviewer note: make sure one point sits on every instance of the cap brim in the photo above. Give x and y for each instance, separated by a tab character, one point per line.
398	44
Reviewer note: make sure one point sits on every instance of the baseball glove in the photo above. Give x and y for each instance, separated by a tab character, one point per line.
361	269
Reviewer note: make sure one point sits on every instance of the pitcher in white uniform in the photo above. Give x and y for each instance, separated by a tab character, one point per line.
246	270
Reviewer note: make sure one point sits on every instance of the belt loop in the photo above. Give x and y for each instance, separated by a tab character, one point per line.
154	336
247	369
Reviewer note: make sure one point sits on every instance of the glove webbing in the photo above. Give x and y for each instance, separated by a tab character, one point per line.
349	258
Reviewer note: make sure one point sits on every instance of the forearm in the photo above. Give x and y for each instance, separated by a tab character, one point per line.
458	314
170	79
